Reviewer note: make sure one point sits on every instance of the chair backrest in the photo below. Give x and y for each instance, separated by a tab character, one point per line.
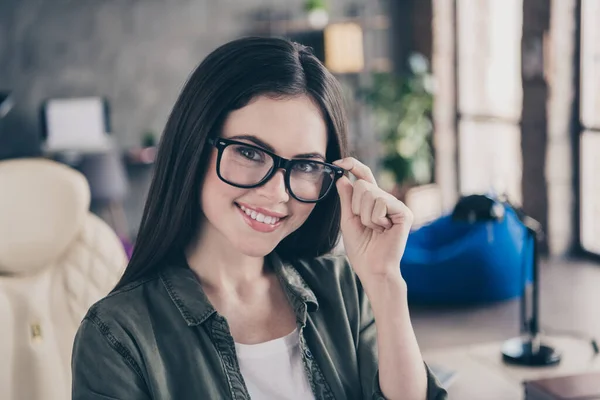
56	260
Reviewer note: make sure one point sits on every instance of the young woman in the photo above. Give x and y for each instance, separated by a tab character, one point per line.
230	292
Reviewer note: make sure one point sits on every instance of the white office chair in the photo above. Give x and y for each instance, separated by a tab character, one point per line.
56	260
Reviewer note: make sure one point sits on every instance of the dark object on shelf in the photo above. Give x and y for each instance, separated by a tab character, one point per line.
574	387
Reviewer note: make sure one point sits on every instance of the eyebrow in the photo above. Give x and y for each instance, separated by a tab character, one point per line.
270	148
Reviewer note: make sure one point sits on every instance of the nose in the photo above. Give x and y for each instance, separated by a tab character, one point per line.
274	189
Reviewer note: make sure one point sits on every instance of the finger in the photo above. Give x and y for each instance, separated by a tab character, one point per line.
404	217
360	187
345	189
366	210
395	206
379	215
358	169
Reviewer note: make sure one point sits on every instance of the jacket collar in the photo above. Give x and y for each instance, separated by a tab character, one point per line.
185	291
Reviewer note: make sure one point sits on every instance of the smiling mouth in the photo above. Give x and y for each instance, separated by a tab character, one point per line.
260	217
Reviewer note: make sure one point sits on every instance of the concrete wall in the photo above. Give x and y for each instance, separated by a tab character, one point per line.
136	53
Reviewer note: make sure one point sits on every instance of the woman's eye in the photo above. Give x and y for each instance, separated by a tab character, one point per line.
306	167
250	153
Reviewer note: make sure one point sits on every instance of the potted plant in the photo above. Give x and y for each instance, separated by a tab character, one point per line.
402	108
318	16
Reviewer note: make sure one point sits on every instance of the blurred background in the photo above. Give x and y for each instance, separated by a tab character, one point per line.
445	98
467	95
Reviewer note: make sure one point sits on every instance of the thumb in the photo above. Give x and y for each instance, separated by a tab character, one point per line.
345	190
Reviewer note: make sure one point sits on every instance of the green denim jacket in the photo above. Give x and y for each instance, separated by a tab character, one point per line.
160	338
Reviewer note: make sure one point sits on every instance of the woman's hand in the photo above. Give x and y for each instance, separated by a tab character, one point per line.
375	225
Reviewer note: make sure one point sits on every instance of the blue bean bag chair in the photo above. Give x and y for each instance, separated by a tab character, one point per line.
450	261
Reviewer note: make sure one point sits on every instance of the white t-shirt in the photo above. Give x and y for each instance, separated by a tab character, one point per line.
274	369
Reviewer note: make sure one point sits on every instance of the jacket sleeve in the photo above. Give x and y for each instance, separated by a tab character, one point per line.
102	368
368	359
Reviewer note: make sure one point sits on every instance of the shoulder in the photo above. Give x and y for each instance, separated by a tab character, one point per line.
124	302
119	316
112	329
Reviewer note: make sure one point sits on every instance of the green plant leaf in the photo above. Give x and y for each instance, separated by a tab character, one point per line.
311	5
402	107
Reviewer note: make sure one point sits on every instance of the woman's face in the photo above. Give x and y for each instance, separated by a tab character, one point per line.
289	128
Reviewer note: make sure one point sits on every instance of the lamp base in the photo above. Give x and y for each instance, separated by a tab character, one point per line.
521	351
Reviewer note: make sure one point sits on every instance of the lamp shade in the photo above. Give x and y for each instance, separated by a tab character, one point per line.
344	52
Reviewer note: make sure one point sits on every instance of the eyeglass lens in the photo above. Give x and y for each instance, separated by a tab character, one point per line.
247	166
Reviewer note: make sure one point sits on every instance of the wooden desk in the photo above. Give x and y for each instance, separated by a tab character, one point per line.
481	373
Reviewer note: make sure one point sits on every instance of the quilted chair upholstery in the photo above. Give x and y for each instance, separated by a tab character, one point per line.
56	260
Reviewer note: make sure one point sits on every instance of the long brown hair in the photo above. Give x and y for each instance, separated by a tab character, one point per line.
228	79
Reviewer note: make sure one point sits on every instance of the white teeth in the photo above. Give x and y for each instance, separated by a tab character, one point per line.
265	219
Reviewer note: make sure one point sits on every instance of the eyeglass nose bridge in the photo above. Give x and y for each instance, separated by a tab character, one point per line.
278	163
281	163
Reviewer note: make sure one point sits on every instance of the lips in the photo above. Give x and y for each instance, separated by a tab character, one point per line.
260	217
253	218
262	210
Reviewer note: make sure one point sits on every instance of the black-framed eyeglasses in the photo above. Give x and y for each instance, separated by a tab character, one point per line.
247	166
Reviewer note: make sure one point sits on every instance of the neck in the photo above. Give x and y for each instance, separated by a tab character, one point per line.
218	265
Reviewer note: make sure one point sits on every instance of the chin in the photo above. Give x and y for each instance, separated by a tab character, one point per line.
255	249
